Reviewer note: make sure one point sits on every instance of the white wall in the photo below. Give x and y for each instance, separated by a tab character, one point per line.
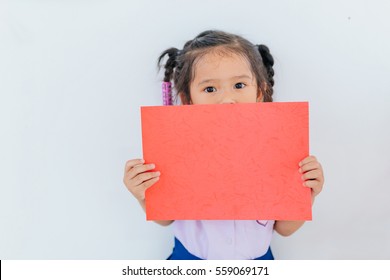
73	75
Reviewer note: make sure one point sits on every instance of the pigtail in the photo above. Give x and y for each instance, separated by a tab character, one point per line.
268	62
170	64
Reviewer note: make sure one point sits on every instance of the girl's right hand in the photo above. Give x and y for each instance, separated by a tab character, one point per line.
138	177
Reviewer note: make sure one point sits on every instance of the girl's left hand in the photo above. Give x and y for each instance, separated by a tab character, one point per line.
312	175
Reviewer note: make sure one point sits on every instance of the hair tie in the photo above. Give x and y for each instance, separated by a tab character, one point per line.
167	93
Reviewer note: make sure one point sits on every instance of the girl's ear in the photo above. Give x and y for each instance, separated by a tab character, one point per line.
261	90
260	95
184	99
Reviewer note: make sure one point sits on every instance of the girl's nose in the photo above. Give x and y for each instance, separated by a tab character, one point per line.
228	98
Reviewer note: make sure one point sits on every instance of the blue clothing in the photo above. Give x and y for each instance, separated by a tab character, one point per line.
181	253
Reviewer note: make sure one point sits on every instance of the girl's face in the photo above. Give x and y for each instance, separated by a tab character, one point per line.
223	78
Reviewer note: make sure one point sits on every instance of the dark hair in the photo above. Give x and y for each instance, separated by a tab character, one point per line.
179	67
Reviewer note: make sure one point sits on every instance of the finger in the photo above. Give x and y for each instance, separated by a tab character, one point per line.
133	162
145	185
307	160
314	185
140	178
138	169
312	175
313	165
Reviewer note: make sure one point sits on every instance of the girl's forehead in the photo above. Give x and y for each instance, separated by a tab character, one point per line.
216	56
226	62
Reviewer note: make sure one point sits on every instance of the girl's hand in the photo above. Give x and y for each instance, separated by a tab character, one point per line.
312	175
137	178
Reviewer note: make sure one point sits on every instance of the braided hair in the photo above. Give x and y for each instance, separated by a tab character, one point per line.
179	67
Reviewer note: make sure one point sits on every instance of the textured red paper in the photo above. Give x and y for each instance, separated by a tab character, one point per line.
227	161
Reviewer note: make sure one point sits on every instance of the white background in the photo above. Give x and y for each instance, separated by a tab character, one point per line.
73	75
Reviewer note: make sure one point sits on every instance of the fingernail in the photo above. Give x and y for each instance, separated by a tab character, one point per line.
300	170
158	173
152	166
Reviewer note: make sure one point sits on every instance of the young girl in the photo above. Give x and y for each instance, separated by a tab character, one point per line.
215	68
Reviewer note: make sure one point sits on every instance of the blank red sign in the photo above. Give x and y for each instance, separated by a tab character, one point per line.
227	161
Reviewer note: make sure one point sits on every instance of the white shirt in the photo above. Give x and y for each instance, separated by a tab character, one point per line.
225	239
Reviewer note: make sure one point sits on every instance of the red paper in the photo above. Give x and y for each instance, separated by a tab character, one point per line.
227	161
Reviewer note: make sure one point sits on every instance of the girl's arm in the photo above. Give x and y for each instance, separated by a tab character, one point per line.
137	178
286	228
312	177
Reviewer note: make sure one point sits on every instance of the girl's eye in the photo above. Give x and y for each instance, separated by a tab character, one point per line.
210	89
239	85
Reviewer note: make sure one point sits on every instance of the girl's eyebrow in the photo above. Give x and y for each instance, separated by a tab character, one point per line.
207	81
232	78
